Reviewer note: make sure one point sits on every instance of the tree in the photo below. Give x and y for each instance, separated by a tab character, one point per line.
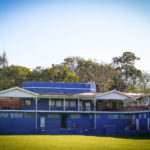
13	76
91	71
126	69
3	60
145	82
61	73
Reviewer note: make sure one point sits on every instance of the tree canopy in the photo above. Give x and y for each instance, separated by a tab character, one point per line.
121	74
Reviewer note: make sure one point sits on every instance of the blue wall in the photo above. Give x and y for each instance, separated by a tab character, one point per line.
26	124
48	87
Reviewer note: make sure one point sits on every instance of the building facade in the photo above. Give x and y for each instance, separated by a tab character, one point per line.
68	108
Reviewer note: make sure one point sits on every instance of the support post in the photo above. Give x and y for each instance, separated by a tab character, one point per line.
78	104
64	104
36	100
95	113
49	103
94	120
148	124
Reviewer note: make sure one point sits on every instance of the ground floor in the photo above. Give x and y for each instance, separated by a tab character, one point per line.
73	123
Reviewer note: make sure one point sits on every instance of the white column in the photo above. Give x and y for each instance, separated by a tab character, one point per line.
94	104
49	103
64	103
78	104
137	125
94	120
36	100
95	113
148	124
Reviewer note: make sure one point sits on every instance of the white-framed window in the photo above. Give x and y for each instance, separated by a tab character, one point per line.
133	116
53	116
52	103
72	103
113	116
58	103
125	116
88	106
29	115
3	115
90	116
75	116
140	116
16	115
99	116
67	103
28	102
144	116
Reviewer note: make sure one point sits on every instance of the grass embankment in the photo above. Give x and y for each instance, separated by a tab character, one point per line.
71	142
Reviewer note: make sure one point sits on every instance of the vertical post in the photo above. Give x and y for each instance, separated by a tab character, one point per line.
78	104
137	125
36	99
94	104
94	120
64	104
148	124
49	103
95	113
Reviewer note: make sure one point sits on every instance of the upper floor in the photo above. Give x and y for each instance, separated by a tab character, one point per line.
63	97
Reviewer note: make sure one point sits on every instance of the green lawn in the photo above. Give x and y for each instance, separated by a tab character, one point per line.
69	142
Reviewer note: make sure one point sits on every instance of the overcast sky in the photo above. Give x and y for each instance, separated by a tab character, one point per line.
44	32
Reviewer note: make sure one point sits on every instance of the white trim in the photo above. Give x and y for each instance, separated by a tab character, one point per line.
97	112
59	88
113	91
20	89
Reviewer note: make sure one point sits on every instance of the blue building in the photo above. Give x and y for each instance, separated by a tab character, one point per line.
69	108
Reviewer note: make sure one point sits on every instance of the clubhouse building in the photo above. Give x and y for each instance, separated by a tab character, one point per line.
72	108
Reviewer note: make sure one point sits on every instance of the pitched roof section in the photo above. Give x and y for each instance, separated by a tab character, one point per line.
17	92
113	95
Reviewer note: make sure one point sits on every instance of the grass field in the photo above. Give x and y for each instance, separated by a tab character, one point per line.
72	142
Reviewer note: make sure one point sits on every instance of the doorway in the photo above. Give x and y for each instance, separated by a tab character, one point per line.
42	122
64	121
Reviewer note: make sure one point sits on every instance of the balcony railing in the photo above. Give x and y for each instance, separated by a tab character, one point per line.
70	108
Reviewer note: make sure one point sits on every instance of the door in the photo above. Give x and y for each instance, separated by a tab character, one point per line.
42	122
137	125
64	120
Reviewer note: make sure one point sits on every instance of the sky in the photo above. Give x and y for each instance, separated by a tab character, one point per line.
44	32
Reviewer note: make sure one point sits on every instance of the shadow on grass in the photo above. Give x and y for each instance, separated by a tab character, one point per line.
139	136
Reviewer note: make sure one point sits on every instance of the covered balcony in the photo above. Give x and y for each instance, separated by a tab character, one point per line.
111	101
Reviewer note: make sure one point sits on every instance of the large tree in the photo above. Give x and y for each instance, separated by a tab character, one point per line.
91	71
125	66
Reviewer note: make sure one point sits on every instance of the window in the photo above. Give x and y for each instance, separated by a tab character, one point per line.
67	103
75	116
113	116
52	102
125	116
99	116
140	116
133	116
53	116
28	102
3	115
88	106
58	103
90	116
144	116
72	104
16	115
29	115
